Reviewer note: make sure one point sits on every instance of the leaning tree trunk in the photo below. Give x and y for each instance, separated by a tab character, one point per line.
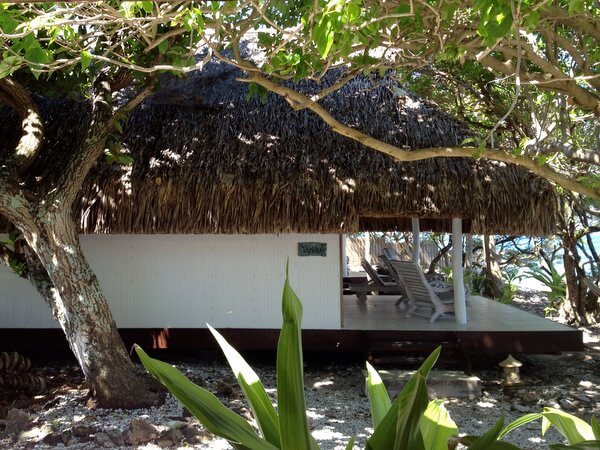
83	313
72	289
62	275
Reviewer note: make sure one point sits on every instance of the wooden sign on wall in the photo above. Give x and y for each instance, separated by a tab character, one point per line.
312	249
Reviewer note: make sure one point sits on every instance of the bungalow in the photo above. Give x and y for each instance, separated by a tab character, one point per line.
224	189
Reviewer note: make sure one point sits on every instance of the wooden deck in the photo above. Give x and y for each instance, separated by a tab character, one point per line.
379	313
492	328
371	330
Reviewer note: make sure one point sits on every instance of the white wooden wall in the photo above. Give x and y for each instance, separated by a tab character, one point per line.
229	281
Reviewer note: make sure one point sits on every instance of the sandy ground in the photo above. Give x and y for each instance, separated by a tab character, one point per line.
336	403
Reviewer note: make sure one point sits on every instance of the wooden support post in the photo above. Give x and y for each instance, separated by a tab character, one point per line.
460	306
416	235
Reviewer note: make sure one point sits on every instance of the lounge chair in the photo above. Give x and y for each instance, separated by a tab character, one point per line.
376	284
390	253
385	259
422	294
435	279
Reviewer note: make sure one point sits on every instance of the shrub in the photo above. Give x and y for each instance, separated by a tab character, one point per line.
411	421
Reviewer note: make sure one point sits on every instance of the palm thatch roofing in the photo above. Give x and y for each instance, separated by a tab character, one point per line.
207	160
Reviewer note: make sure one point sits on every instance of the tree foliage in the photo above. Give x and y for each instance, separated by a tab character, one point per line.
502	58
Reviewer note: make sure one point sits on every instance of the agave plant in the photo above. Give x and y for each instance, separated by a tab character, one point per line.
411	421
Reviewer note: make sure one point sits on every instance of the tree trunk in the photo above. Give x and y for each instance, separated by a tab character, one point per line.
573	308
83	313
494	283
442	253
62	274
581	305
468	251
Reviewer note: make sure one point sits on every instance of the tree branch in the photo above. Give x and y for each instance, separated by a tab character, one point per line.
83	159
16	207
585	156
16	96
545	171
567	85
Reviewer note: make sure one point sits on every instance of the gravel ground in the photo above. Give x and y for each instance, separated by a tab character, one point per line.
336	403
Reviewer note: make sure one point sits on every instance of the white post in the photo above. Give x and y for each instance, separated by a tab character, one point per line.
460	306
416	235
368	247
344	255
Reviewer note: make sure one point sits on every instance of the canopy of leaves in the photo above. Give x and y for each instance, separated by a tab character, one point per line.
525	73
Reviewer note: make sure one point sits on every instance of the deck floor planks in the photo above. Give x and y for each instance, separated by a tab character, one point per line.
380	313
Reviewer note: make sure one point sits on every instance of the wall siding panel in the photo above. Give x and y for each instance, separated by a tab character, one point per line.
176	281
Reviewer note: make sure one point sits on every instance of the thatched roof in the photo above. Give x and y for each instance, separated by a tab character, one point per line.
206	160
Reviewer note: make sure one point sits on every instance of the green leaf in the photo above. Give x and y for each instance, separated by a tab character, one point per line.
9	64
8	24
352	11
148	7
532	19
262	408
595	427
86	59
350	444
266	39
402	422
541	160
124	160
519	423
437	426
411	408
204	405
576	6
29	42
378	396
572	428
118	125
479	150
490	437
323	34
496	19
38	55
469	140
257	90
163	46
293	423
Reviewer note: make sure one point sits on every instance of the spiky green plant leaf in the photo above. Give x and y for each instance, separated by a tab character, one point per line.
519	423
254	391
293	423
572	428
378	397
437	426
595	427
489	438
207	408
350	444
400	428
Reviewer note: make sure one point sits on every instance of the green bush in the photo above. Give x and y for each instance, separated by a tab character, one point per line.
554	281
410	422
